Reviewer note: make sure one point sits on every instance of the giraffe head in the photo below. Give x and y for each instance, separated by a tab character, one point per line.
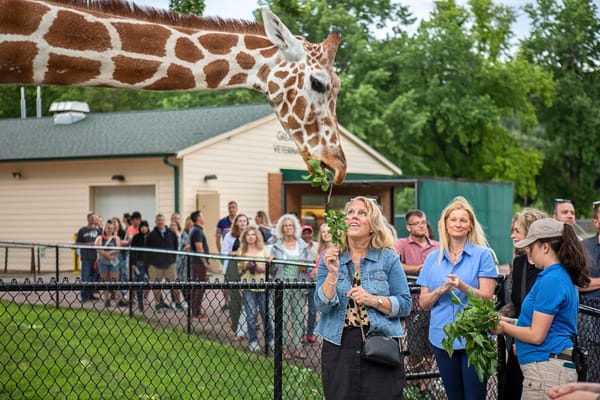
302	87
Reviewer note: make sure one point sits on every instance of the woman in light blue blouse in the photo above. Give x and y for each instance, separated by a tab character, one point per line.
463	263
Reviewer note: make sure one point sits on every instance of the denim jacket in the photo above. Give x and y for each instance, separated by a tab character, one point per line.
381	274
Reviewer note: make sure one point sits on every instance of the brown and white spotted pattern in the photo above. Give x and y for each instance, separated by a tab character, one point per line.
117	44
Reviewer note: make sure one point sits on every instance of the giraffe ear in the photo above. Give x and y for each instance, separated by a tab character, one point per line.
280	35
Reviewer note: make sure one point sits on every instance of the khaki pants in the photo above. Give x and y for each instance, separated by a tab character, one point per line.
538	377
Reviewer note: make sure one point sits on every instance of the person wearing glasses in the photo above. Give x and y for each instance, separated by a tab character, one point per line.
361	289
414	248
464	262
290	247
412	251
547	324
590	296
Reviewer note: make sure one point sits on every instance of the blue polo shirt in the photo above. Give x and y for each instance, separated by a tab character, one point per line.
475	262
223	226
553	293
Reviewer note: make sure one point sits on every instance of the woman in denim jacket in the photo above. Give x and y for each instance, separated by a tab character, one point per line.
360	287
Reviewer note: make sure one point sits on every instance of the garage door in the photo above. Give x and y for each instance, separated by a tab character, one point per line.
113	201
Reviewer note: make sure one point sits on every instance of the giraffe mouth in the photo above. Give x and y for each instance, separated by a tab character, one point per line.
335	174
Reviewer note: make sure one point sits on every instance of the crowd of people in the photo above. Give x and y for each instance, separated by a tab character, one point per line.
362	289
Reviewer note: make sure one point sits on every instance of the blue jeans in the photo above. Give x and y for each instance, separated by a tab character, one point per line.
87	275
251	301
460	381
141	275
312	312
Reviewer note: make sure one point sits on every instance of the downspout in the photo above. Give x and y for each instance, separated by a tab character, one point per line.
175	180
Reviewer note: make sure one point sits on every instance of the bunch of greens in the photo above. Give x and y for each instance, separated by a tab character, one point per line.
472	325
336	220
318	176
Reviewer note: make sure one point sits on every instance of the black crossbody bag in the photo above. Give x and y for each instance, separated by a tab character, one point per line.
379	349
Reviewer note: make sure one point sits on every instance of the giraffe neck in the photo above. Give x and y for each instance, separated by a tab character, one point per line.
113	43
84	47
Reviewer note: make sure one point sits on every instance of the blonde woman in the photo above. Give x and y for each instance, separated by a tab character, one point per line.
108	259
463	263
360	288
252	245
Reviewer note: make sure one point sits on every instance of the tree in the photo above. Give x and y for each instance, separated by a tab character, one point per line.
565	42
195	7
450	100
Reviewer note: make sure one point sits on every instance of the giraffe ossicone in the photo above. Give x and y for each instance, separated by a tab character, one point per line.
114	43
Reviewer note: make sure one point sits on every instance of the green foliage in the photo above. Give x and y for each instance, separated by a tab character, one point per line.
564	42
336	221
196	7
471	326
317	176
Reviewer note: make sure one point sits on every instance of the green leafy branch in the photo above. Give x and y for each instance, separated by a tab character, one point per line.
336	221
317	176
472	325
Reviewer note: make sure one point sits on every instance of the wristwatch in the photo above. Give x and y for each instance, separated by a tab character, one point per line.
379	302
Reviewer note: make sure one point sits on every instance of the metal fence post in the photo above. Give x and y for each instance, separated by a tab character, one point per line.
57	277
278	353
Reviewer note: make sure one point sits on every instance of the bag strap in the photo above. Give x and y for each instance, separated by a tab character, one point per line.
362	331
523	278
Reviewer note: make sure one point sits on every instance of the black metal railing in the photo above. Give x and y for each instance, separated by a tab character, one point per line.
52	345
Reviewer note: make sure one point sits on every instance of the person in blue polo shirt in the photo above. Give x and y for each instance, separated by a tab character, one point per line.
547	324
463	263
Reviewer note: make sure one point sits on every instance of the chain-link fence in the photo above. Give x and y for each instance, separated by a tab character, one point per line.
53	345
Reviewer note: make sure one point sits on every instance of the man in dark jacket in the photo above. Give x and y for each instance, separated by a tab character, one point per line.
162	266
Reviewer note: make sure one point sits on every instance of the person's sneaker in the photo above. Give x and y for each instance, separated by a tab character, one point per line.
107	303
122	303
303	339
158	308
271	344
311	338
225	307
254	346
181	306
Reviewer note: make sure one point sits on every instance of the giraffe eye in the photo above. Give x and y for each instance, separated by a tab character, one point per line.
317	85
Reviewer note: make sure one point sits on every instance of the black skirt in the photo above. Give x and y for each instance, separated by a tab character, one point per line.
346	375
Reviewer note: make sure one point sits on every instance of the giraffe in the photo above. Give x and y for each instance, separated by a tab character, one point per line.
113	43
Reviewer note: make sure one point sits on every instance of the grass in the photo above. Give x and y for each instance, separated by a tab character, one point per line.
59	353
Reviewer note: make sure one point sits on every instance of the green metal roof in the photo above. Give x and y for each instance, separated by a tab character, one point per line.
121	134
294	175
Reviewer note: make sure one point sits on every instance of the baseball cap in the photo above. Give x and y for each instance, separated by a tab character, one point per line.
307	228
544	228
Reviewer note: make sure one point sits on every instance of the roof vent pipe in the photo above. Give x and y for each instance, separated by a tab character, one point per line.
38	103
23	104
